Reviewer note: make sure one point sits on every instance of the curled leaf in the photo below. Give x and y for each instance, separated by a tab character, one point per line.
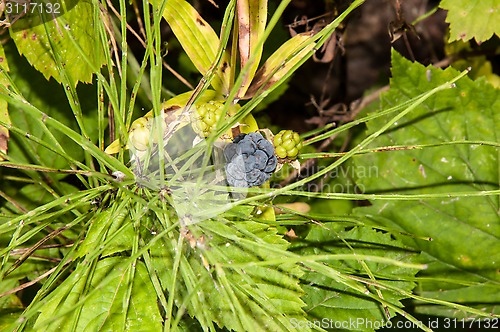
198	39
281	62
252	16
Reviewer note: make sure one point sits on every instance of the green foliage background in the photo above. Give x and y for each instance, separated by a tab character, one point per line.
108	254
453	148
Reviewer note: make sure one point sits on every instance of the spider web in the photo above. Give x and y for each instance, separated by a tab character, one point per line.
191	169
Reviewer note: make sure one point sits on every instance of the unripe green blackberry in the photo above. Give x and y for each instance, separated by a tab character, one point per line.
139	134
287	144
205	116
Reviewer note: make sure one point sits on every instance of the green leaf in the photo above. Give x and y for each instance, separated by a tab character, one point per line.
455	285
252	17
10	305
198	39
4	112
13	305
220	281
478	19
465	230
105	308
327	299
111	226
48	46
4	66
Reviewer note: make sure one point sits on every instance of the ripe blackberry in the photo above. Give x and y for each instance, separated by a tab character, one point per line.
250	160
287	144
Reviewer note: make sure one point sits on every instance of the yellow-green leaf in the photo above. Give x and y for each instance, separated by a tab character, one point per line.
181	100
109	298
252	17
4	112
249	125
198	39
173	107
478	19
281	62
4	66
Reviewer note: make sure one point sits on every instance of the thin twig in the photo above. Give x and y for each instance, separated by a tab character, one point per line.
32	282
13	202
139	18
143	43
32	249
22	251
355	107
48	169
107	25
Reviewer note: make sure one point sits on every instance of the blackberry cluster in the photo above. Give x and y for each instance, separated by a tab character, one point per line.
250	160
205	117
287	144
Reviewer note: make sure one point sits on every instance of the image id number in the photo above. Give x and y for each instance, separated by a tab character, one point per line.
28	7
486	323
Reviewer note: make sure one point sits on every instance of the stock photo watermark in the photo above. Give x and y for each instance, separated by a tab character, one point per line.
360	323
339	180
21	14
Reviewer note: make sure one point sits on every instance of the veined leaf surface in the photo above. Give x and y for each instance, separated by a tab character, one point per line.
328	299
478	19
105	308
42	43
465	231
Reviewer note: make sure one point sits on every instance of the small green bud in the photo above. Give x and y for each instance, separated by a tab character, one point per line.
139	134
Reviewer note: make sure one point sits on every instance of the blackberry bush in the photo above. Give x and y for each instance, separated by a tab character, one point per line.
287	144
162	245
250	160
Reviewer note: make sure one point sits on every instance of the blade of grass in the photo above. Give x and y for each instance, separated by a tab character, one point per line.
197	38
287	189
